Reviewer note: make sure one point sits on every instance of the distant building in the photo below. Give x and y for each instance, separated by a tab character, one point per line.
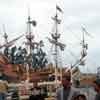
83	79
98	72
87	79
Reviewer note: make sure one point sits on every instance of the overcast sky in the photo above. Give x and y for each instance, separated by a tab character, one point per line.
77	13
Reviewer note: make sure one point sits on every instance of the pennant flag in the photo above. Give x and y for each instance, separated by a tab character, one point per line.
33	22
58	8
86	32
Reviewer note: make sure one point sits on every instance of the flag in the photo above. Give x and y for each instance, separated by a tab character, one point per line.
58	8
86	31
33	22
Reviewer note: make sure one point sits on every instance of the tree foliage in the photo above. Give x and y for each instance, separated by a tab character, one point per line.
20	56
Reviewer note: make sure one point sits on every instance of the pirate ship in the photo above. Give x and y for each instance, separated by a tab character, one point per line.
30	63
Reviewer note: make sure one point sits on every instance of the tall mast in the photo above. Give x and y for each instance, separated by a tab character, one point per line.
55	41
6	51
84	48
29	42
5	35
56	36
29	35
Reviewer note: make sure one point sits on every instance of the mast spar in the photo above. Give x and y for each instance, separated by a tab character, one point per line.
29	42
55	41
5	35
81	61
84	48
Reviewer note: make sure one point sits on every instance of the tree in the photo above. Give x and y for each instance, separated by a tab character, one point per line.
21	55
77	83
39	59
12	54
6	52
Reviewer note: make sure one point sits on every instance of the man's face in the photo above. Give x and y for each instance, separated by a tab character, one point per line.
66	82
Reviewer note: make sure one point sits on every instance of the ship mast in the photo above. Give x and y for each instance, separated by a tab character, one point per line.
29	42
84	48
84	45
29	35
56	36
6	51
5	35
55	41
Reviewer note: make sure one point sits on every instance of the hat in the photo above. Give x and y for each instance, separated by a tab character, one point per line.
97	81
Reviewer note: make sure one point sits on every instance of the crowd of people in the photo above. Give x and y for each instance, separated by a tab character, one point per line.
64	92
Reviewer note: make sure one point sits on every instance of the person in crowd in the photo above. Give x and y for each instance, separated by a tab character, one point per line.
32	95
44	92
67	91
15	95
3	89
97	89
36	94
79	97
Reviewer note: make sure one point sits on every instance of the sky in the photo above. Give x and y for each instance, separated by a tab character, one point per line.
76	13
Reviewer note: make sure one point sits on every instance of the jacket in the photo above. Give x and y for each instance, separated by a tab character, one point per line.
73	92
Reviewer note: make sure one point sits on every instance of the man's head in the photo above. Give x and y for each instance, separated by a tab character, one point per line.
66	79
79	97
97	85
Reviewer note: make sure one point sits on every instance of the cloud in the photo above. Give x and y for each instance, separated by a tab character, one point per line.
86	13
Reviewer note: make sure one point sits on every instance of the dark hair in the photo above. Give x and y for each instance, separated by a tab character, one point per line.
80	95
66	78
37	88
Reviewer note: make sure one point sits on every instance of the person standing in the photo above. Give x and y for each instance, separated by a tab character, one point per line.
97	89
66	92
36	94
15	95
3	89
